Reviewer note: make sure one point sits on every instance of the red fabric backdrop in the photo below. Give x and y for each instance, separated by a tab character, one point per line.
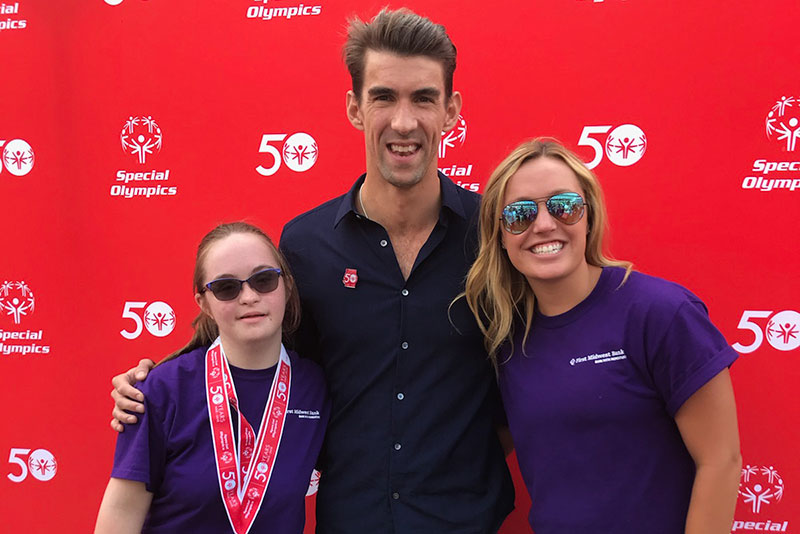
689	109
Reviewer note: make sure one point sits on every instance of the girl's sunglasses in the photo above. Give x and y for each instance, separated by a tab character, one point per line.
229	288
566	208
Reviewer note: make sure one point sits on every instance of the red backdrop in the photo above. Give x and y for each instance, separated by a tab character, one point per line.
688	109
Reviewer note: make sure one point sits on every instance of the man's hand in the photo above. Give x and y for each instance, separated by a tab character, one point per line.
127	397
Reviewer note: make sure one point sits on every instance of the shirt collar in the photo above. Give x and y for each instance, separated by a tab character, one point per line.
450	199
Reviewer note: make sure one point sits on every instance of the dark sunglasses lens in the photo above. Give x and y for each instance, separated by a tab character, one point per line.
265	281
225	289
566	207
518	216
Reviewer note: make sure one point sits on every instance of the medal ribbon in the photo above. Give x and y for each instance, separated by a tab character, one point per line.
244	469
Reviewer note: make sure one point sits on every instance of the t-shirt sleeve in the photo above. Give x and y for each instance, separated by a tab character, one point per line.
141	450
691	352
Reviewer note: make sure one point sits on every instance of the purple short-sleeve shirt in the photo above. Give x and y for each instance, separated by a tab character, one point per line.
591	400
171	451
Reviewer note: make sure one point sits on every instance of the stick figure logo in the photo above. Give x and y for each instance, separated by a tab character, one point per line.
140	137
300	152
456	136
18	157
16	299
159	319
625	145
759	485
783	122
42	465
783	330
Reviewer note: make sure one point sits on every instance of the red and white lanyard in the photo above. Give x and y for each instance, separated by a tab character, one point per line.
244	469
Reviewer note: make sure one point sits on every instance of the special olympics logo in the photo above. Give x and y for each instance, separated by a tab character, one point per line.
18	157
141	136
313	484
300	152
253	493
16	299
42	465
262	467
230	484
159	319
783	121
783	330
456	136
227	457
759	485
625	145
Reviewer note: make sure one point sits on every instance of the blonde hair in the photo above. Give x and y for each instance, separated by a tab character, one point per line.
205	329
499	295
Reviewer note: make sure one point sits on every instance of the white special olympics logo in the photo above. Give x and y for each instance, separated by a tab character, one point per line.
759	485
227	457
17	156
783	330
230	484
783	121
253	493
262	467
217	399
140	137
159	319
42	465
625	145
300	152
16	300
455	137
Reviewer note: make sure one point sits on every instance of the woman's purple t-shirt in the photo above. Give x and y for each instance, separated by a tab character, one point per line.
171	451
591	402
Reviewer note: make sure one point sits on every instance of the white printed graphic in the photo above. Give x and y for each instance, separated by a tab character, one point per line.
113	2
40	464
783	122
600	357
782	330
299	152
17	157
7	23
760	485
287	12
16	300
455	137
624	146
140	137
158	318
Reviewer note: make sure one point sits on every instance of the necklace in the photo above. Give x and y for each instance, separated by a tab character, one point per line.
361	201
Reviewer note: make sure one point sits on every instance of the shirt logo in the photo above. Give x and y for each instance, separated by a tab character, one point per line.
601	357
350	278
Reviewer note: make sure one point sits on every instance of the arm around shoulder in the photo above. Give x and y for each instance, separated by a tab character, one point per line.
124	507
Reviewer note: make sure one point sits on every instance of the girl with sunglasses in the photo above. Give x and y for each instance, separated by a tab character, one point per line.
233	422
615	383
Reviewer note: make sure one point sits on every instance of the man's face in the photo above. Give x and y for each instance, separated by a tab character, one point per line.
402	112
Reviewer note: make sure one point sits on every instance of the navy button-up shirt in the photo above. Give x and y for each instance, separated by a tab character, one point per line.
411	445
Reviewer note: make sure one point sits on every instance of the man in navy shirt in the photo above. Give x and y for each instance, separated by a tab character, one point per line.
411	445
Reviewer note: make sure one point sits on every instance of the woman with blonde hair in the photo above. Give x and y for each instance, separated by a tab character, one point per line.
615	383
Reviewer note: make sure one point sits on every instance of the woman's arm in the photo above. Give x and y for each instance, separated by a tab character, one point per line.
124	507
707	423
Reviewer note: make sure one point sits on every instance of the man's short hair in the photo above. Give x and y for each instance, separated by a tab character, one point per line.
400	32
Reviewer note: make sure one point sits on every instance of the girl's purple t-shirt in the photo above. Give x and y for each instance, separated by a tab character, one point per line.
171	451
591	401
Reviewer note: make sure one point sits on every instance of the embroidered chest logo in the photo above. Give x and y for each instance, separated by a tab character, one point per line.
600	357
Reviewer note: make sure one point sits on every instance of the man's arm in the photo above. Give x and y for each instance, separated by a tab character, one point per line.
124	507
707	423
127	397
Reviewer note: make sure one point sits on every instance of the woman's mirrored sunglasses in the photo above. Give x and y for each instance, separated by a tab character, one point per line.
566	208
229	288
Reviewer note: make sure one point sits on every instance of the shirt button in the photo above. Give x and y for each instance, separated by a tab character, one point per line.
400	396
404	345
397	446
395	495
404	292
384	242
